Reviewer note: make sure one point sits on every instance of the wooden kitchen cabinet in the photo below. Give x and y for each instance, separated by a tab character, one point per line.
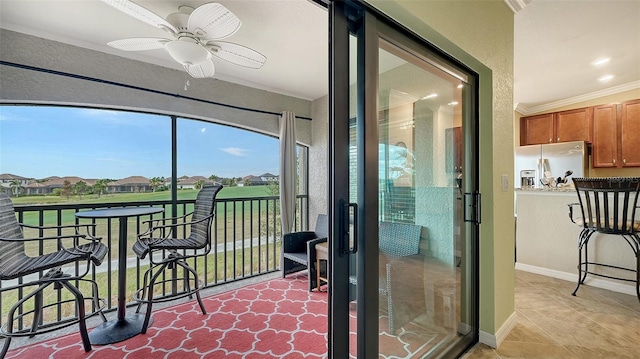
453	141
564	126
630	134
604	149
536	130
616	135
573	125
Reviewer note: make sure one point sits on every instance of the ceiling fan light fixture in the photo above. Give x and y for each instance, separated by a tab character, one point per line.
187	52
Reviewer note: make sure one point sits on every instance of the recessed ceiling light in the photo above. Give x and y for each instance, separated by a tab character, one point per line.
460	86
601	61
452	103
605	78
433	95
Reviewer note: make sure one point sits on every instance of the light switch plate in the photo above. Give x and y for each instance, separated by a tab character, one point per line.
505	183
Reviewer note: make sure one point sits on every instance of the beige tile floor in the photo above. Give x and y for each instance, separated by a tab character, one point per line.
597	323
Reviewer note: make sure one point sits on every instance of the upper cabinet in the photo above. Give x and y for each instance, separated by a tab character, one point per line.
604	149
453	141
613	130
616	135
630	134
573	125
565	126
536	130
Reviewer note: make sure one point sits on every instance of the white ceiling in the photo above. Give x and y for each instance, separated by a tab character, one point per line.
555	42
292	34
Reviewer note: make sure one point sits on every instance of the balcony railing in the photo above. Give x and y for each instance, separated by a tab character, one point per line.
245	243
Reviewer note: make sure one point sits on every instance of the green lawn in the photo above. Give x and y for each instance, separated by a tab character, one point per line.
226	192
232	223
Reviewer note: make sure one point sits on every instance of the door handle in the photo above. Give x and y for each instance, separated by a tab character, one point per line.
348	226
471	207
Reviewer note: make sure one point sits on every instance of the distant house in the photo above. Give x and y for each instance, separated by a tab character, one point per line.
6	179
49	184
261	180
186	182
133	184
268	177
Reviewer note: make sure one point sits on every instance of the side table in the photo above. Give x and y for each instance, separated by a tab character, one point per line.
322	254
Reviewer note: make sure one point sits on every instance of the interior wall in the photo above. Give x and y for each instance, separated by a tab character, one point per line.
319	160
26	86
481	30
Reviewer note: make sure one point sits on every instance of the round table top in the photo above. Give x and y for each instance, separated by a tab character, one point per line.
119	212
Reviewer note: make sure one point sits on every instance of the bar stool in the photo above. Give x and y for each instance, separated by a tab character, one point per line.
608	206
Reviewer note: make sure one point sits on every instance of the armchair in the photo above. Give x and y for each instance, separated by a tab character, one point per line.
15	263
399	259
298	250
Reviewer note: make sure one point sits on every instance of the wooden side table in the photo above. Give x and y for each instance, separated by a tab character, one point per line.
322	254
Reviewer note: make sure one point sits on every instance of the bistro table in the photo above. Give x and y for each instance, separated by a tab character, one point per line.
124	327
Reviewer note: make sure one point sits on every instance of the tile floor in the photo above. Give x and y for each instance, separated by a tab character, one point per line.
597	323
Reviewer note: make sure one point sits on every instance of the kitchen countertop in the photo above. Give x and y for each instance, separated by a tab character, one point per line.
546	190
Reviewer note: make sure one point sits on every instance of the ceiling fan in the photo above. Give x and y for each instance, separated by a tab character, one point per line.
195	35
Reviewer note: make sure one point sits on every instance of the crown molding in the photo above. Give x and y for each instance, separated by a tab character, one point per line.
526	110
516	5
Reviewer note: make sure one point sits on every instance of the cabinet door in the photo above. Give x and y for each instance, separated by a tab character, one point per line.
453	140
573	125
630	128
536	129
605	136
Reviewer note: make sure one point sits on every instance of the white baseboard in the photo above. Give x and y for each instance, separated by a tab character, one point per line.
616	286
494	340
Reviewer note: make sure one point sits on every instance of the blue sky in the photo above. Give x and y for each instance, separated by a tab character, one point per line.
42	141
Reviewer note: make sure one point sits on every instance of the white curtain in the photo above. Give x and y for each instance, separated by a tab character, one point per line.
288	170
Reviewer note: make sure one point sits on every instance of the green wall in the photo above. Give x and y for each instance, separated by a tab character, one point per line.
480	34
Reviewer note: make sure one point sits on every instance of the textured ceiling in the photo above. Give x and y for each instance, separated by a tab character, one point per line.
555	42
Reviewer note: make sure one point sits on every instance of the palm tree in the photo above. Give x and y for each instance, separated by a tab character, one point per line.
100	186
199	184
16	187
80	188
156	182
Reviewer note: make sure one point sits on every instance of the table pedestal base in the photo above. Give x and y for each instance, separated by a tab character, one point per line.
115	331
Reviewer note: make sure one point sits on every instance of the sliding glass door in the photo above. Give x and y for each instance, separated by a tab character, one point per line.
404	194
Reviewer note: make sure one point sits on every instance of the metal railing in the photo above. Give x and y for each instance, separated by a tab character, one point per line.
245	243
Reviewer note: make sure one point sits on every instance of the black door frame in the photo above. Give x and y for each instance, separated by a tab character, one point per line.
344	18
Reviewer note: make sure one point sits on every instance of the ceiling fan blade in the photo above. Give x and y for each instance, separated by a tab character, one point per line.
237	54
139	43
142	14
202	70
213	21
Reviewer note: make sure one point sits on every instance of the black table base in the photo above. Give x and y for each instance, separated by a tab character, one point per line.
115	331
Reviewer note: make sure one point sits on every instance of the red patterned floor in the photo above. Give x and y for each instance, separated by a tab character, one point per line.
274	319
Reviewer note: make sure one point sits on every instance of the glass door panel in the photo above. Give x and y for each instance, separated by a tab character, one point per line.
420	205
408	237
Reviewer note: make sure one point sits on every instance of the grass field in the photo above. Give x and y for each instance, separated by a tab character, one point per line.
226	192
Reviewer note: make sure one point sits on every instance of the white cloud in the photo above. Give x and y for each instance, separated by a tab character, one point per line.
235	151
